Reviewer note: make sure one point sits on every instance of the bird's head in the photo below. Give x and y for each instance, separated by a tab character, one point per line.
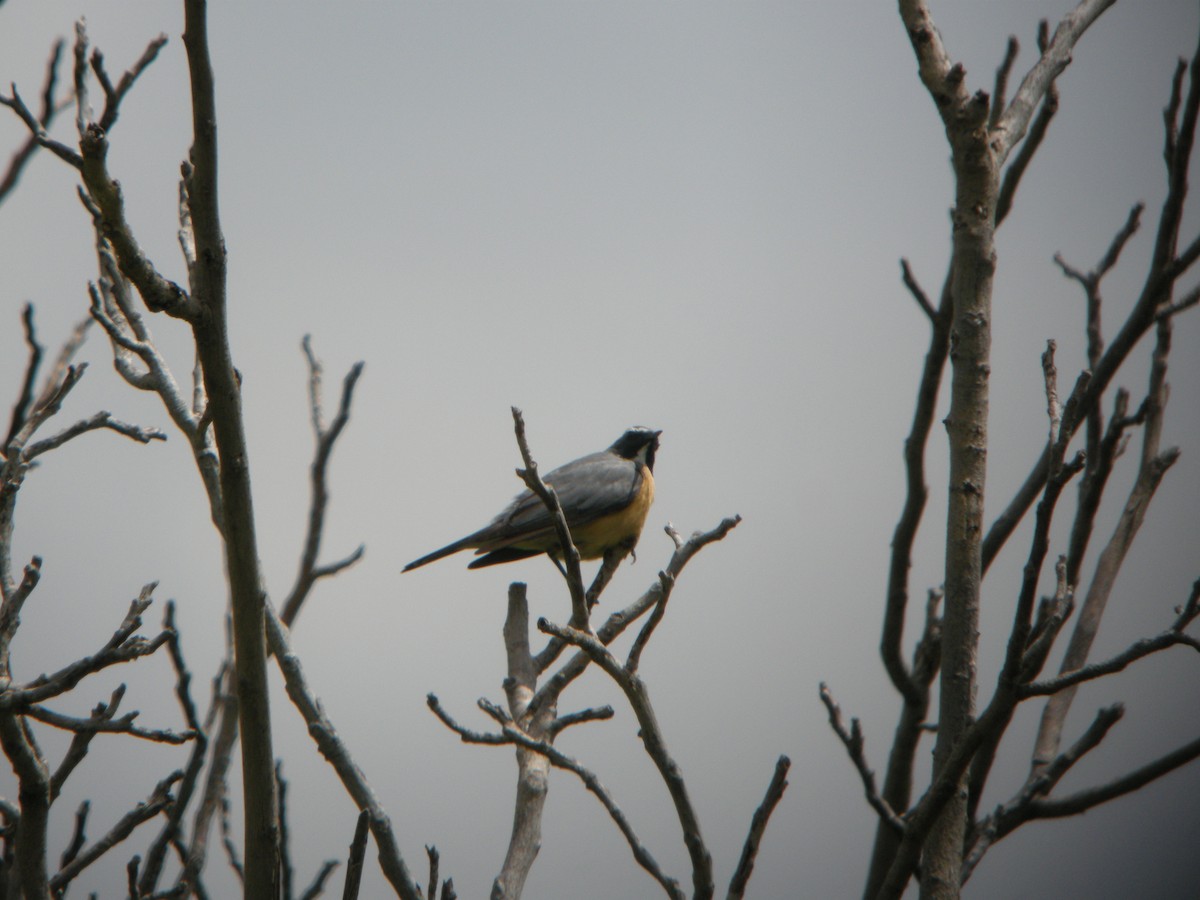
638	443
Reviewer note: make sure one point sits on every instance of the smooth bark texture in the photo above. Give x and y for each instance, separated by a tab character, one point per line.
225	405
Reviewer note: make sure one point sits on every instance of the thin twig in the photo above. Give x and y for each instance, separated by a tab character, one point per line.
855	743
158	800
331	747
570	554
309	572
50	108
758	826
655	744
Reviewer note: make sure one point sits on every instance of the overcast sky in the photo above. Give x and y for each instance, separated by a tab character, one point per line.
687	216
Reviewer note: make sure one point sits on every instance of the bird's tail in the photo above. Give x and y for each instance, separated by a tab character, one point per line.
448	550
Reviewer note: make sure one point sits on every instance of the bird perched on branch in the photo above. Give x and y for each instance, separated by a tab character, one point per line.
605	497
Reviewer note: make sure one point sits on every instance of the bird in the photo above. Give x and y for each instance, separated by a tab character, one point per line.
605	497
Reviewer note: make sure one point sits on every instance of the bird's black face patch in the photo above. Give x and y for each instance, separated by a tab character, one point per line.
638	442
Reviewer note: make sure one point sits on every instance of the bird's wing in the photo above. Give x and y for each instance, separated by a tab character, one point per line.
588	489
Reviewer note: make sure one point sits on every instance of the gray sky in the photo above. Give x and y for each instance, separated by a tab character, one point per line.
684	216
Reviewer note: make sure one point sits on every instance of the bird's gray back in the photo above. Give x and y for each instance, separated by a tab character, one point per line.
588	488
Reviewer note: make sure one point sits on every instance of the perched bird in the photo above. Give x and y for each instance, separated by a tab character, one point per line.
605	497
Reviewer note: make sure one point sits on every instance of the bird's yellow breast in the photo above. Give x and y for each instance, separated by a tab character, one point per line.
622	527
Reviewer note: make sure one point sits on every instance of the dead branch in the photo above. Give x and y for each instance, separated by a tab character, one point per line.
548	694
1028	147
1003	71
533	769
78	835
570	554
758	826
918	293
25	399
1082	801
171	831
326	438
338	755
49	109
855	743
38	132
358	850
123	725
1153	467
158	800
1016	811
81	742
1166	267
653	740
590	781
114	95
124	646
1171	637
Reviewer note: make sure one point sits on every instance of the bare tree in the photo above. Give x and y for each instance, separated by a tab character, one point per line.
942	837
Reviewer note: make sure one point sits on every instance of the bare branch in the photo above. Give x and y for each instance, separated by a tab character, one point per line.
1052	615
331	747
560	760
38	132
547	695
1012	126
1014	813
1153	467
157	292
758	826
652	739
468	735
81	742
114	95
122	647
656	616
98	421
1138	650
123	725
918	293
1017	166
1187	301
916	493
50	108
78	835
21	409
354	865
533	769
171	830
224	700
855	742
570	554
1088	799
594	714
317	886
29	842
326	438
1003	71
158	800
48	404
